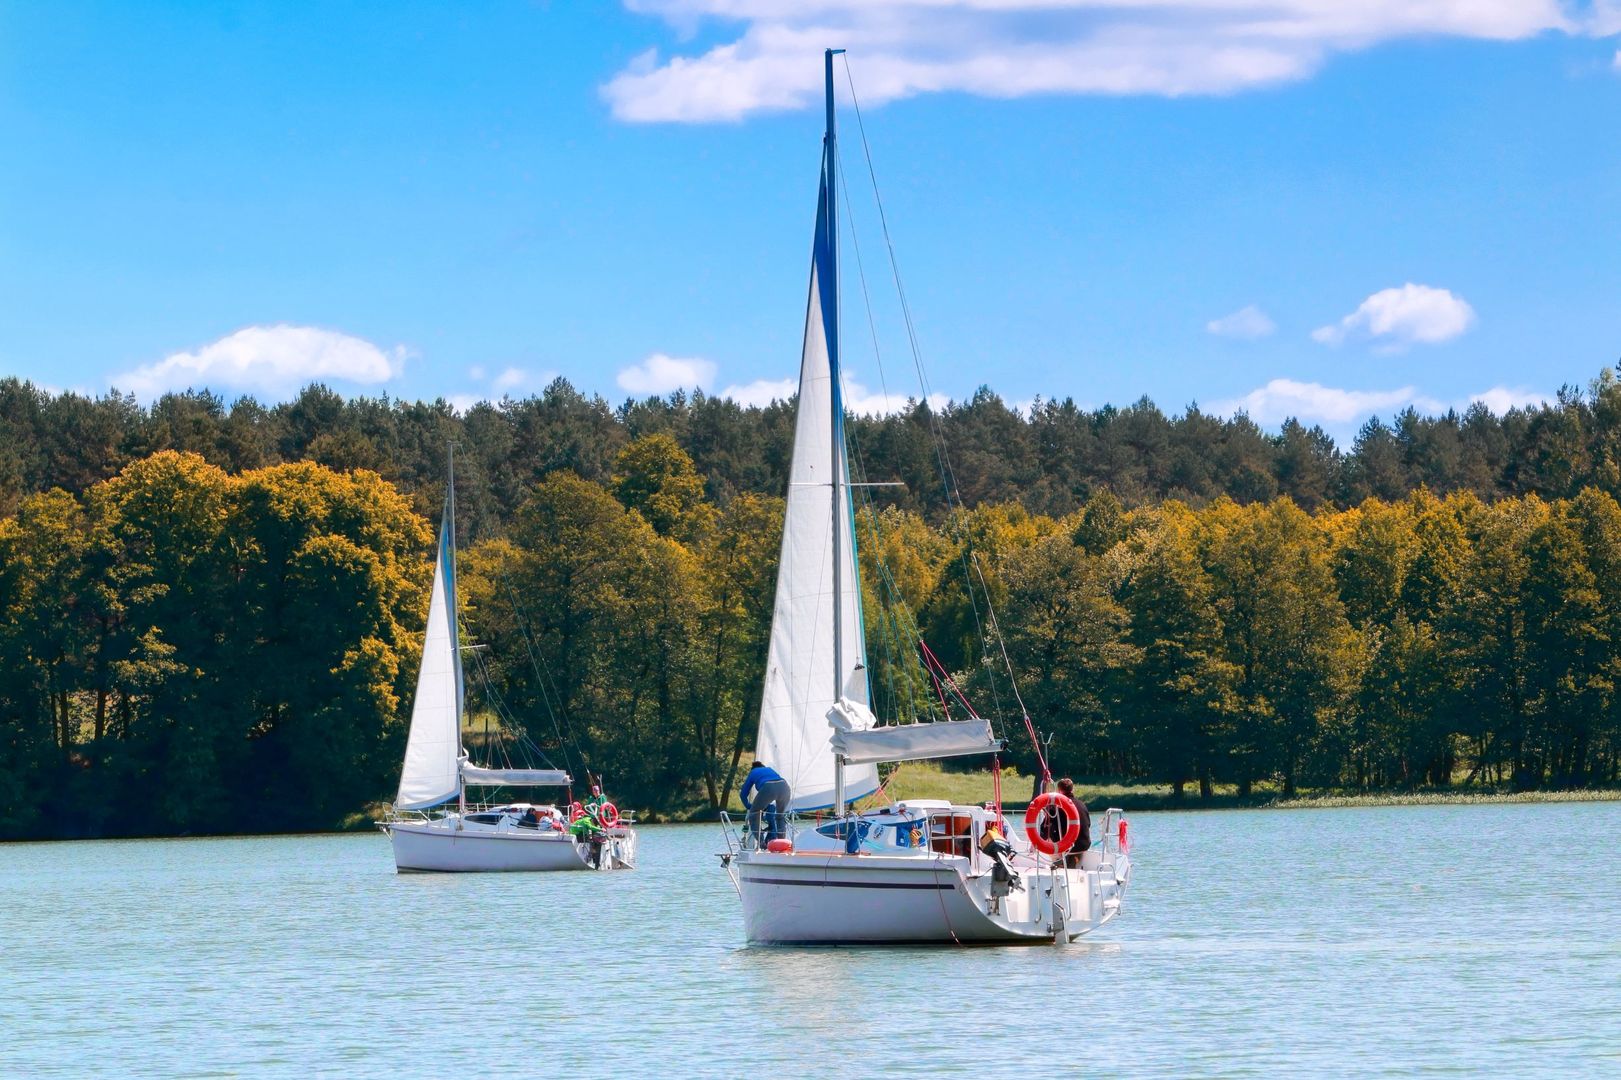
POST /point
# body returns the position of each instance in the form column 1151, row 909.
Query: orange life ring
column 607, row 815
column 1032, row 817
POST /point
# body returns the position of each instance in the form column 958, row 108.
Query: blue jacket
column 757, row 776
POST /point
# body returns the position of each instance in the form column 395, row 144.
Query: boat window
column 485, row 819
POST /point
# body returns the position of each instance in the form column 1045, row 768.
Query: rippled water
column 1413, row 940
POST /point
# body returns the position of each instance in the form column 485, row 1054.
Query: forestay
column 433, row 749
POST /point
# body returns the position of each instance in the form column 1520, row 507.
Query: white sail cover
column 916, row 742
column 801, row 683
column 472, row 774
column 433, row 749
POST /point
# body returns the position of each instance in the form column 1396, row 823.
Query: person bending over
column 768, row 789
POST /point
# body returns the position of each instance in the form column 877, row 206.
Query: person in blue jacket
column 769, row 789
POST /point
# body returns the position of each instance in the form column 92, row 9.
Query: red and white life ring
column 1032, row 822
column 607, row 815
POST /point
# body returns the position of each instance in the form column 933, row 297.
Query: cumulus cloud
column 660, row 374
column 1246, row 324
column 273, row 360
column 1280, row 399
column 1341, row 412
column 1397, row 318
column 769, row 53
column 857, row 398
column 510, row 379
column 762, row 392
column 1500, row 399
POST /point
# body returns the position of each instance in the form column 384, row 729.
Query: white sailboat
column 505, row 836
column 915, row 871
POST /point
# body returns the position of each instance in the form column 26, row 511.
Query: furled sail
column 472, row 774
column 818, row 596
column 917, row 742
column 433, row 750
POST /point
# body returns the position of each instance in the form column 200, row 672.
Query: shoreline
column 1144, row 802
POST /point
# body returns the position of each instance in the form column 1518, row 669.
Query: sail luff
column 804, row 680
column 433, row 747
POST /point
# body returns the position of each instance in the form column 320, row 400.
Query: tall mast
column 449, row 527
column 831, row 320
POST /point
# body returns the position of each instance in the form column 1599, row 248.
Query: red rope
column 930, row 658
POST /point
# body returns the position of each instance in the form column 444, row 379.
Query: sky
column 1321, row 208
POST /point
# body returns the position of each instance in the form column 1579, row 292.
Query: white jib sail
column 433, row 749
column 800, row 684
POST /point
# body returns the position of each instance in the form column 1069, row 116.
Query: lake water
column 1408, row 940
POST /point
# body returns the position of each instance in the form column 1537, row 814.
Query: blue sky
column 1415, row 202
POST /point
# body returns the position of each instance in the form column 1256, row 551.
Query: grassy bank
column 925, row 780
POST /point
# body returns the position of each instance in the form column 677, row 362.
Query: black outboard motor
column 1003, row 877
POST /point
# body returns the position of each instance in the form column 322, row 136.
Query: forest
column 210, row 614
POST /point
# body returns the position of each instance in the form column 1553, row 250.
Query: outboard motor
column 1004, row 879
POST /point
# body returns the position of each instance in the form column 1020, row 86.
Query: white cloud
column 857, row 398
column 1397, row 318
column 1341, row 412
column 1246, row 324
column 273, row 360
column 1615, row 63
column 770, row 55
column 863, row 402
column 464, row 402
column 1312, row 402
column 476, row 372
column 762, row 392
column 660, row 374
column 510, row 379
column 1500, row 399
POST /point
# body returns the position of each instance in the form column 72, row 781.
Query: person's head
column 755, row 765
column 1066, row 786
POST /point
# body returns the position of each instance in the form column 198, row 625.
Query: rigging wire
column 543, row 677
column 894, row 608
column 971, row 565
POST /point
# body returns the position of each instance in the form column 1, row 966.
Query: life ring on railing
column 1032, row 818
column 607, row 815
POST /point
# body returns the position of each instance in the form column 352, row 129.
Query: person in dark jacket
column 768, row 789
column 1054, row 825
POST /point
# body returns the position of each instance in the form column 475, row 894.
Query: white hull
column 823, row 899
column 439, row 846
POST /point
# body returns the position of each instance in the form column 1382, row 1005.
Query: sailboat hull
column 815, row 899
column 436, row 847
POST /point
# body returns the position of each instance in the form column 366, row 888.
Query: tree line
column 184, row 649
column 1050, row 457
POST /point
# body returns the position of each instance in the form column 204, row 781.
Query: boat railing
column 738, row 836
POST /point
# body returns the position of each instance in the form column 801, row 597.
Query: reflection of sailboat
column 917, row 871
column 507, row 836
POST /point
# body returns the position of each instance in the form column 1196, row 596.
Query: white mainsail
column 818, row 592
column 433, row 750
